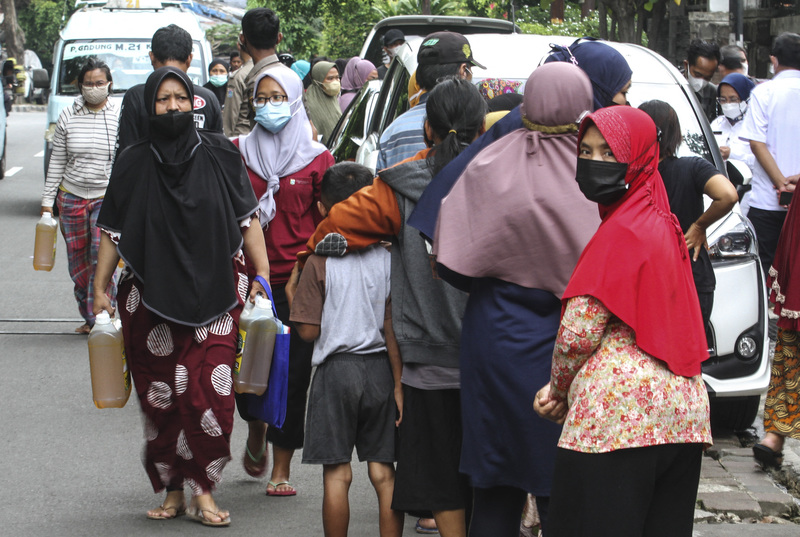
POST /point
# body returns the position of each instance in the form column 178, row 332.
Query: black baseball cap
column 445, row 47
column 392, row 35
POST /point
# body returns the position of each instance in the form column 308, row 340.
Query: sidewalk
column 733, row 488
column 28, row 108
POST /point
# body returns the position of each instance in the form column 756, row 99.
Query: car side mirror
column 40, row 78
column 738, row 172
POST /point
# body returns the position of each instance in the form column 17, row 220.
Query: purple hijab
column 516, row 213
column 272, row 156
column 355, row 75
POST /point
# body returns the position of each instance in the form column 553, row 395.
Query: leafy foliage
column 41, row 20
column 392, row 8
column 223, row 38
column 536, row 20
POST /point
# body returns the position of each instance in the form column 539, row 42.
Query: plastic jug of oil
column 44, row 249
column 257, row 330
column 111, row 379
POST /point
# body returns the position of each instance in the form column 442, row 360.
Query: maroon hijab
column 516, row 213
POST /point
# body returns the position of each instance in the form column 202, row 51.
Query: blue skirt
column 507, row 341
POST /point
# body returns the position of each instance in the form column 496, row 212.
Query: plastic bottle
column 257, row 329
column 111, row 379
column 44, row 250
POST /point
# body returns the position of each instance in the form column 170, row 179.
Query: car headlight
column 733, row 238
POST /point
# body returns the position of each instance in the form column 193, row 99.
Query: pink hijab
column 355, row 75
column 516, row 213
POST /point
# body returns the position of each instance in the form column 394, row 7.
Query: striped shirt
column 404, row 138
column 83, row 152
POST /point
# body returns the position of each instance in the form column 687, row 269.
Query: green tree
column 42, row 20
column 393, row 8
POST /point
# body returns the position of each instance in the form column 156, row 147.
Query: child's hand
column 398, row 399
column 291, row 285
column 548, row 407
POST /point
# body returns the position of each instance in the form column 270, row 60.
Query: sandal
column 83, row 329
column 167, row 513
column 255, row 466
column 767, row 457
column 276, row 492
column 197, row 514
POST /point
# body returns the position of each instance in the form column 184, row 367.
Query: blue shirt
column 404, row 138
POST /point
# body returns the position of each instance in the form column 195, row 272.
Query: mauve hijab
column 355, row 76
column 516, row 213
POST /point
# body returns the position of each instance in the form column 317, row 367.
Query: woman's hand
column 549, row 408
column 726, row 151
column 45, row 209
column 695, row 239
column 102, row 303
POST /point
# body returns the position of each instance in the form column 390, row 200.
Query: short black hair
column 666, row 120
column 731, row 57
column 234, row 54
column 787, row 50
column 343, row 180
column 171, row 43
column 705, row 49
column 91, row 64
column 261, row 27
column 430, row 75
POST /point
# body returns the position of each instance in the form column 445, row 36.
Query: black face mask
column 170, row 125
column 600, row 181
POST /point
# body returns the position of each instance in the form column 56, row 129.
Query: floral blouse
column 620, row 397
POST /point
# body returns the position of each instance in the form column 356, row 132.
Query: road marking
column 39, row 154
column 12, row 171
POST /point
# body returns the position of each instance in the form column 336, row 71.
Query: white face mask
column 745, row 67
column 392, row 51
column 697, row 84
column 733, row 110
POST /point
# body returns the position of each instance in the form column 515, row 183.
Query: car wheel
column 734, row 413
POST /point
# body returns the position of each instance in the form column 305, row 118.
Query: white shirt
column 771, row 118
column 728, row 135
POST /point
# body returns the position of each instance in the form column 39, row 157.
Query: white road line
column 12, row 171
column 39, row 154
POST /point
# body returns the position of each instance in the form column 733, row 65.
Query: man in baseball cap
column 441, row 55
column 392, row 39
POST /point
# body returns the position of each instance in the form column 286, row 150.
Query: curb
column 733, row 487
column 28, row 108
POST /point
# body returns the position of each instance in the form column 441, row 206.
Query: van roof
column 100, row 23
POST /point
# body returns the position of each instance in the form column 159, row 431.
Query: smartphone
column 785, row 198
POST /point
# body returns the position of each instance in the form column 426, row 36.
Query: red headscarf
column 637, row 263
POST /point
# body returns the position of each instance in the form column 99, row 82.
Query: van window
column 129, row 60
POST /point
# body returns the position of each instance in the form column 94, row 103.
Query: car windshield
column 128, row 59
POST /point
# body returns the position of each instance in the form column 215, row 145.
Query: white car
column 738, row 370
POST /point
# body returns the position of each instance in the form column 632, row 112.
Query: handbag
column 271, row 406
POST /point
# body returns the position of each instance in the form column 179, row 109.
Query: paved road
column 70, row 469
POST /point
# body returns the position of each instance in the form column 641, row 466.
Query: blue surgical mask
column 274, row 117
column 218, row 80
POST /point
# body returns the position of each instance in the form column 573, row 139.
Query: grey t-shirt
column 348, row 297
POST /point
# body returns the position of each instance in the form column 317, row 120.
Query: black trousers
column 768, row 226
column 291, row 436
column 638, row 492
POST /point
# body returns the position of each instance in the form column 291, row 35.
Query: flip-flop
column 198, row 515
column 419, row 528
column 767, row 457
column 276, row 492
column 83, row 329
column 255, row 466
column 178, row 511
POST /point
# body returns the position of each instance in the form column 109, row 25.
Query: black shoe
column 767, row 457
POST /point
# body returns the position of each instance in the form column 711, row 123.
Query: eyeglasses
column 274, row 100
column 730, row 100
column 96, row 84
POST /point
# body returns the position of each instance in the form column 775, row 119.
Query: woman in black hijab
column 178, row 211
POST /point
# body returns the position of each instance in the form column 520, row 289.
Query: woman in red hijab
column 625, row 379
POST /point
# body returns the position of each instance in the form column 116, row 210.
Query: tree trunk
column 655, row 34
column 557, row 12
column 586, row 8
column 602, row 13
column 15, row 38
column 425, row 6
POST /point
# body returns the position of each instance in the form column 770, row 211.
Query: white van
column 117, row 32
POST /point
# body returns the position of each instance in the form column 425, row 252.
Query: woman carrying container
column 77, row 177
column 179, row 211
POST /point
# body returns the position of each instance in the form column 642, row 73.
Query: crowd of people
column 512, row 312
